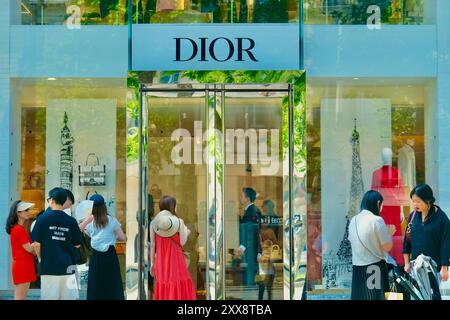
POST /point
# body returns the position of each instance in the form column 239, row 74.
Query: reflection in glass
column 254, row 196
column 359, row 12
column 175, row 167
column 72, row 12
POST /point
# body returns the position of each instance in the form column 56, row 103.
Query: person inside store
column 266, row 272
column 370, row 240
column 104, row 279
column 249, row 231
column 168, row 235
column 23, row 270
column 55, row 235
column 428, row 234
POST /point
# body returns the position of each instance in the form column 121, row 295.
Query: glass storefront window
column 215, row 11
column 358, row 11
column 82, row 12
column 363, row 134
column 63, row 126
column 117, row 12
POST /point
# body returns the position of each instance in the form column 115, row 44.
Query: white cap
column 23, row 206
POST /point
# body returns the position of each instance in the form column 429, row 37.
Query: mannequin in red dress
column 388, row 181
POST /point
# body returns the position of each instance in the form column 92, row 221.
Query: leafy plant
column 296, row 78
column 404, row 121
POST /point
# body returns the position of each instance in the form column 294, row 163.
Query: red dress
column 388, row 181
column 23, row 262
column 172, row 279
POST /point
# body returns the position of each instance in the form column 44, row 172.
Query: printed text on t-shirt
column 58, row 233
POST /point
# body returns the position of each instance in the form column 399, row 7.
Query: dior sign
column 252, row 46
column 235, row 49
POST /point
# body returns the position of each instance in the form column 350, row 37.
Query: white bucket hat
column 166, row 224
column 22, row 206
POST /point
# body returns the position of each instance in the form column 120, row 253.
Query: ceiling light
column 51, row 79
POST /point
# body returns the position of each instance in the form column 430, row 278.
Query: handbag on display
column 92, row 174
column 275, row 253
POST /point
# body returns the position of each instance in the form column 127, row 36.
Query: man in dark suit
column 249, row 227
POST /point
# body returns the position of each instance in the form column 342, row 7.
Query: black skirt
column 104, row 280
column 370, row 282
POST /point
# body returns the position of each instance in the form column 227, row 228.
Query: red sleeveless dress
column 172, row 279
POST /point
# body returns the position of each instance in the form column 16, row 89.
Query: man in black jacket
column 249, row 227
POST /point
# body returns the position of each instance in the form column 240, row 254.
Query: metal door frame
column 214, row 116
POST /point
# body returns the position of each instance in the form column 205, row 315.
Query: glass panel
column 297, row 174
column 358, row 130
column 362, row 11
column 215, row 11
column 254, row 160
column 58, row 124
column 73, row 12
column 176, row 144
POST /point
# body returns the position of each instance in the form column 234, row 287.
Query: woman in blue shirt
column 429, row 234
column 104, row 280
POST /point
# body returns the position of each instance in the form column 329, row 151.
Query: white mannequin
column 386, row 156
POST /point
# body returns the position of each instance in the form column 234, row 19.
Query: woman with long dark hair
column 370, row 240
column 23, row 271
column 428, row 233
column 168, row 234
column 104, row 279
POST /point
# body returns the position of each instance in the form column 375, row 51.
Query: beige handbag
column 275, row 253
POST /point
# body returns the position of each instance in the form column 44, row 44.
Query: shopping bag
column 392, row 294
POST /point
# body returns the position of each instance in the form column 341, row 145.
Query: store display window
column 70, row 133
column 363, row 134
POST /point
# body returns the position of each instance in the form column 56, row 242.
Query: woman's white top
column 373, row 233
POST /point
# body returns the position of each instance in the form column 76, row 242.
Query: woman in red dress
column 23, row 271
column 168, row 234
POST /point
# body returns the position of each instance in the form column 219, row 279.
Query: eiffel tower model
column 66, row 156
column 356, row 193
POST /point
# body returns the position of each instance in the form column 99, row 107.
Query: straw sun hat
column 166, row 224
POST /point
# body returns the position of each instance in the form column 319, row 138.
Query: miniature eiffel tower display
column 66, row 156
column 356, row 193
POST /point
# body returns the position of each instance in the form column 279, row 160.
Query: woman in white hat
column 168, row 234
column 23, row 271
